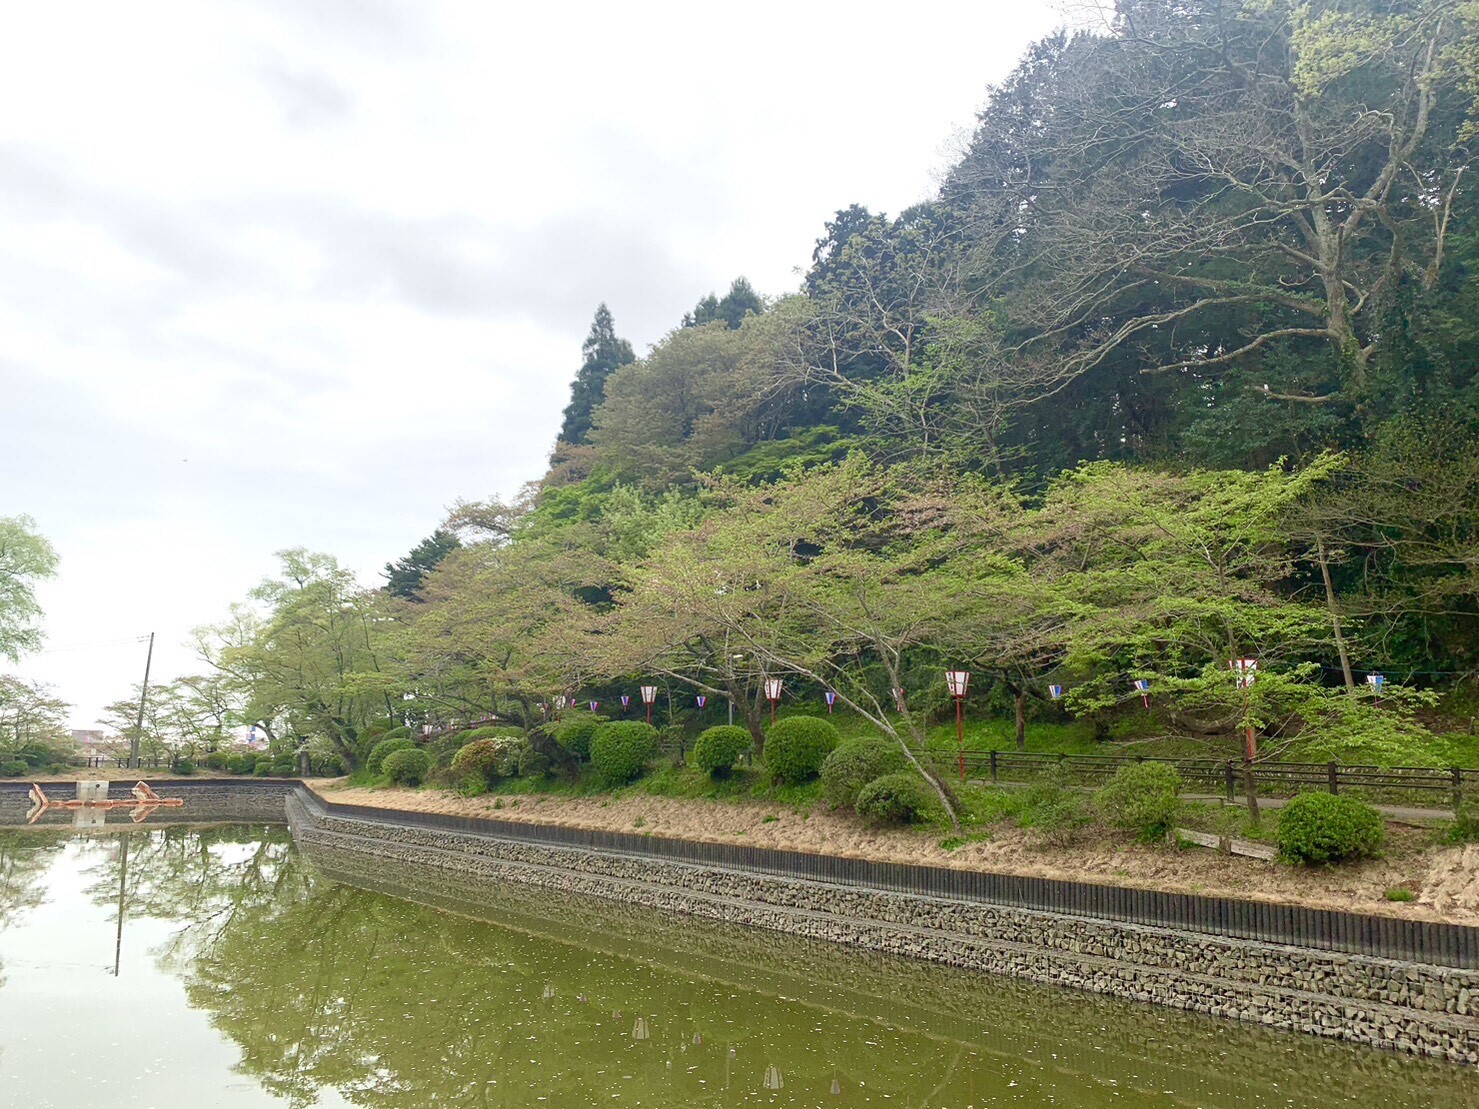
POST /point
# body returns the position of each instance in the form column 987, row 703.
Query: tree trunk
column 1019, row 703
column 1340, row 646
column 1250, row 791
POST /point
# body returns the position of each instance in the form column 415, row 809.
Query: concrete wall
column 1421, row 1009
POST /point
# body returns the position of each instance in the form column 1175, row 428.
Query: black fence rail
column 1432, row 785
column 1351, row 933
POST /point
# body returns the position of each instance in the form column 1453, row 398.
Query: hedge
column 385, row 747
column 856, row 762
column 796, row 747
column 1329, row 828
column 719, row 748
column 899, row 798
column 1143, row 798
column 407, row 766
column 621, row 750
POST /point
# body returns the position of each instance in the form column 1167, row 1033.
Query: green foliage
column 242, row 763
column 25, row 559
column 1329, row 828
column 407, row 767
column 899, row 798
column 856, row 762
column 404, row 577
column 1400, row 894
column 15, row 768
column 494, row 731
column 217, row 760
column 384, row 747
column 1143, row 798
column 327, row 766
column 400, row 731
column 797, row 746
column 1465, row 825
column 575, row 731
column 719, row 748
column 604, row 352
column 621, row 750
column 183, row 766
column 1054, row 809
column 487, row 759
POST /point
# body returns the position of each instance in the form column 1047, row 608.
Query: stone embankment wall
column 207, row 801
column 1416, row 1008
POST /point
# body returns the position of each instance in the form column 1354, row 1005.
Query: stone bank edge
column 1417, row 1008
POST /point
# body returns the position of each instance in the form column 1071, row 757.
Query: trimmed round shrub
column 327, row 766
column 493, row 731
column 1143, row 798
column 1329, row 828
column 263, row 769
column 217, row 760
column 899, row 798
column 487, row 759
column 856, row 762
column 621, row 750
column 575, row 731
column 375, row 762
column 796, row 747
column 400, row 731
column 719, row 748
column 241, row 764
column 284, row 766
column 407, row 767
column 184, row 766
column 14, row 768
column 529, row 762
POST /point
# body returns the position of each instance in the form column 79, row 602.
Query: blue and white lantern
column 1142, row 686
column 1376, row 681
column 595, row 705
column 625, row 701
column 831, row 701
column 1055, row 692
column 702, row 700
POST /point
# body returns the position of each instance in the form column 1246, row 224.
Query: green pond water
column 188, row 966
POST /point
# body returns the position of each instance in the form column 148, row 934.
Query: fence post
column 1229, row 779
column 1334, row 772
column 993, row 765
column 1458, row 787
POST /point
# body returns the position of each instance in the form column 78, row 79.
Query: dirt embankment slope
column 1445, row 879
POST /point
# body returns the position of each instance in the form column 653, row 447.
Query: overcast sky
column 304, row 272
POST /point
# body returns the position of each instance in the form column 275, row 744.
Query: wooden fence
column 1443, row 786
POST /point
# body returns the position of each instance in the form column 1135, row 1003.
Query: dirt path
column 1446, row 880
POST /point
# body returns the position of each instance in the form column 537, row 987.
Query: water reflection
column 324, row 982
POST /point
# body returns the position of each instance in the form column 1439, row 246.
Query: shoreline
column 1447, row 877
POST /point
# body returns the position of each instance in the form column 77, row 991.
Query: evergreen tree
column 603, row 352
column 742, row 300
column 404, row 576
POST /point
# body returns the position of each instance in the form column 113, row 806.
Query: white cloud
column 306, row 271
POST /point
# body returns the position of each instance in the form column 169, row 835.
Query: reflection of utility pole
column 133, row 747
column 122, row 884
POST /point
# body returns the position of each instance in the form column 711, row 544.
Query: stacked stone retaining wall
column 1417, row 1008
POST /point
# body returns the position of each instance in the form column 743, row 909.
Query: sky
column 286, row 273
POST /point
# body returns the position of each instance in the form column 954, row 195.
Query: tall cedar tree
column 404, row 576
column 742, row 300
column 604, row 352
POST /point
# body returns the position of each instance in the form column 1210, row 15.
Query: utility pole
column 133, row 747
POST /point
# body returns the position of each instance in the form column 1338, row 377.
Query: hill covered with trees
column 1176, row 368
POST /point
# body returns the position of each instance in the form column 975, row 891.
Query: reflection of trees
column 397, row 1004
column 24, row 858
column 405, row 987
column 199, row 877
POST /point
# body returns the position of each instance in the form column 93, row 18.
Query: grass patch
column 1400, row 894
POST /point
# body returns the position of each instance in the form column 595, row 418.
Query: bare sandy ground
column 1446, row 880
